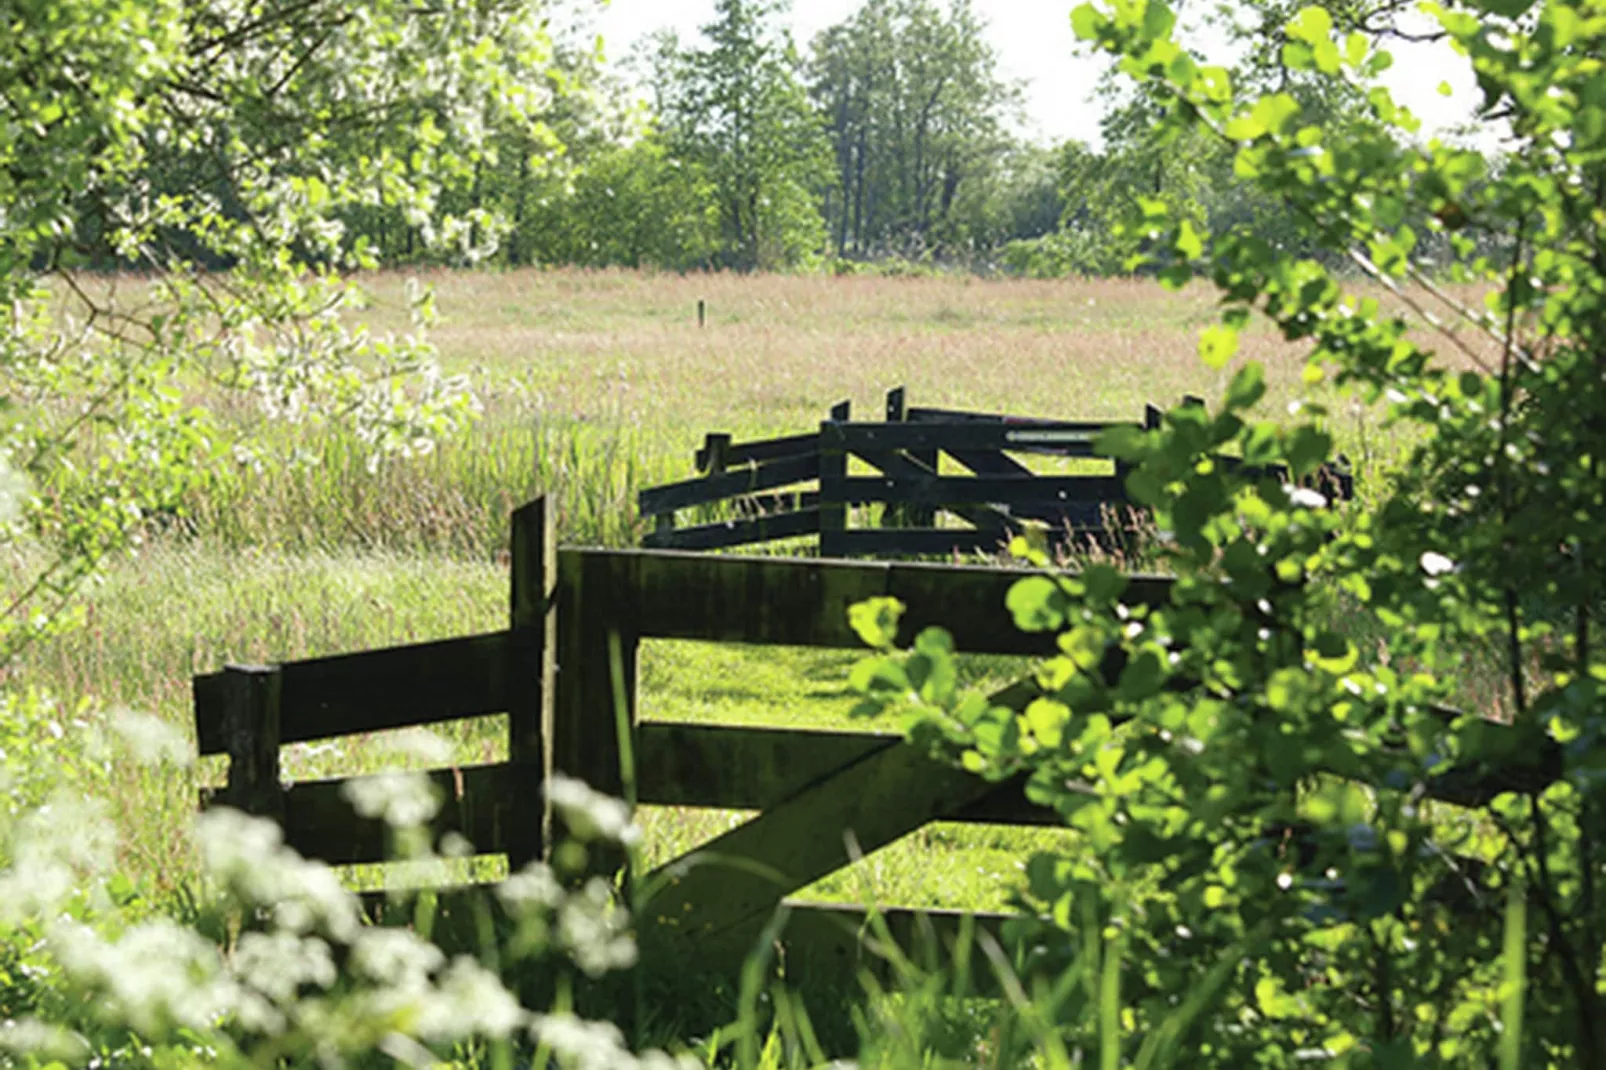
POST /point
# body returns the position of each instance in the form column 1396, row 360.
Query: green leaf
column 1244, row 127
column 1037, row 603
column 1510, row 9
column 875, row 621
column 1248, row 386
column 1142, row 678
column 1514, row 968
column 879, row 676
column 1356, row 46
column 1158, row 20
column 934, row 642
column 1306, row 449
column 1047, row 719
column 1188, row 244
column 1217, row 345
column 1312, row 25
column 1087, row 21
column 1275, row 111
column 1124, row 442
column 1102, row 583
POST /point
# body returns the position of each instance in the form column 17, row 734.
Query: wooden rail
column 574, row 613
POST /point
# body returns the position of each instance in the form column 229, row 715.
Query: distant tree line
column 893, row 139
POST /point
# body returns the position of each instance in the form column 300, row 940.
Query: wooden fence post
column 251, row 734
column 531, row 650
column 917, row 516
column 833, row 503
column 895, row 405
column 716, row 452
column 590, row 732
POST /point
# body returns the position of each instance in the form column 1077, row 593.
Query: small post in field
column 702, row 313
column 251, row 734
column 531, row 652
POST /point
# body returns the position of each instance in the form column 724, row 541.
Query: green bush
column 1294, row 847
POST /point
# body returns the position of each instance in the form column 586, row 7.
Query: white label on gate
column 1048, row 436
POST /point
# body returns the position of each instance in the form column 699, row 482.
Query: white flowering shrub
column 276, row 962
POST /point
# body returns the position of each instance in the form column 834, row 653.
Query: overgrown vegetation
column 1267, row 867
column 1255, row 868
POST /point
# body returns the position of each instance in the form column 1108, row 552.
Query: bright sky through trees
column 1035, row 44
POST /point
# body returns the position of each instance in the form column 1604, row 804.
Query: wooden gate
column 576, row 616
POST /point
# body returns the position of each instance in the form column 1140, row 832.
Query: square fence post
column 593, row 721
column 916, row 516
column 833, row 500
column 251, row 736
column 531, row 652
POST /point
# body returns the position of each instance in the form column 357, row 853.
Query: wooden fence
column 575, row 613
column 759, row 485
column 549, row 671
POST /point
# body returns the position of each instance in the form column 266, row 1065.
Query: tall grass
column 320, row 491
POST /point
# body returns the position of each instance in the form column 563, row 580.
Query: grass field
column 594, row 385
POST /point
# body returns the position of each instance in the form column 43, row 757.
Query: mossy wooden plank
column 833, row 507
column 251, row 734
column 801, row 602
column 755, row 768
column 902, row 469
column 743, row 874
column 990, row 462
column 592, row 603
column 771, row 503
column 1478, row 785
column 946, row 492
column 924, row 542
column 736, row 532
column 737, row 879
column 477, row 803
column 928, row 415
column 422, row 683
column 740, row 768
column 1061, row 439
column 770, row 449
column 732, row 482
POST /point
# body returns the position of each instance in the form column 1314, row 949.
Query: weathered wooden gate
column 577, row 615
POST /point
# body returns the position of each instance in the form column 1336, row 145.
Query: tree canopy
column 235, row 157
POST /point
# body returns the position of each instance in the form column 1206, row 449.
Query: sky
column 1035, row 44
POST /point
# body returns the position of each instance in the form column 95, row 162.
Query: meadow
column 594, row 385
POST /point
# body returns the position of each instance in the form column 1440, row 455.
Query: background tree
column 737, row 110
column 917, row 114
column 223, row 159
